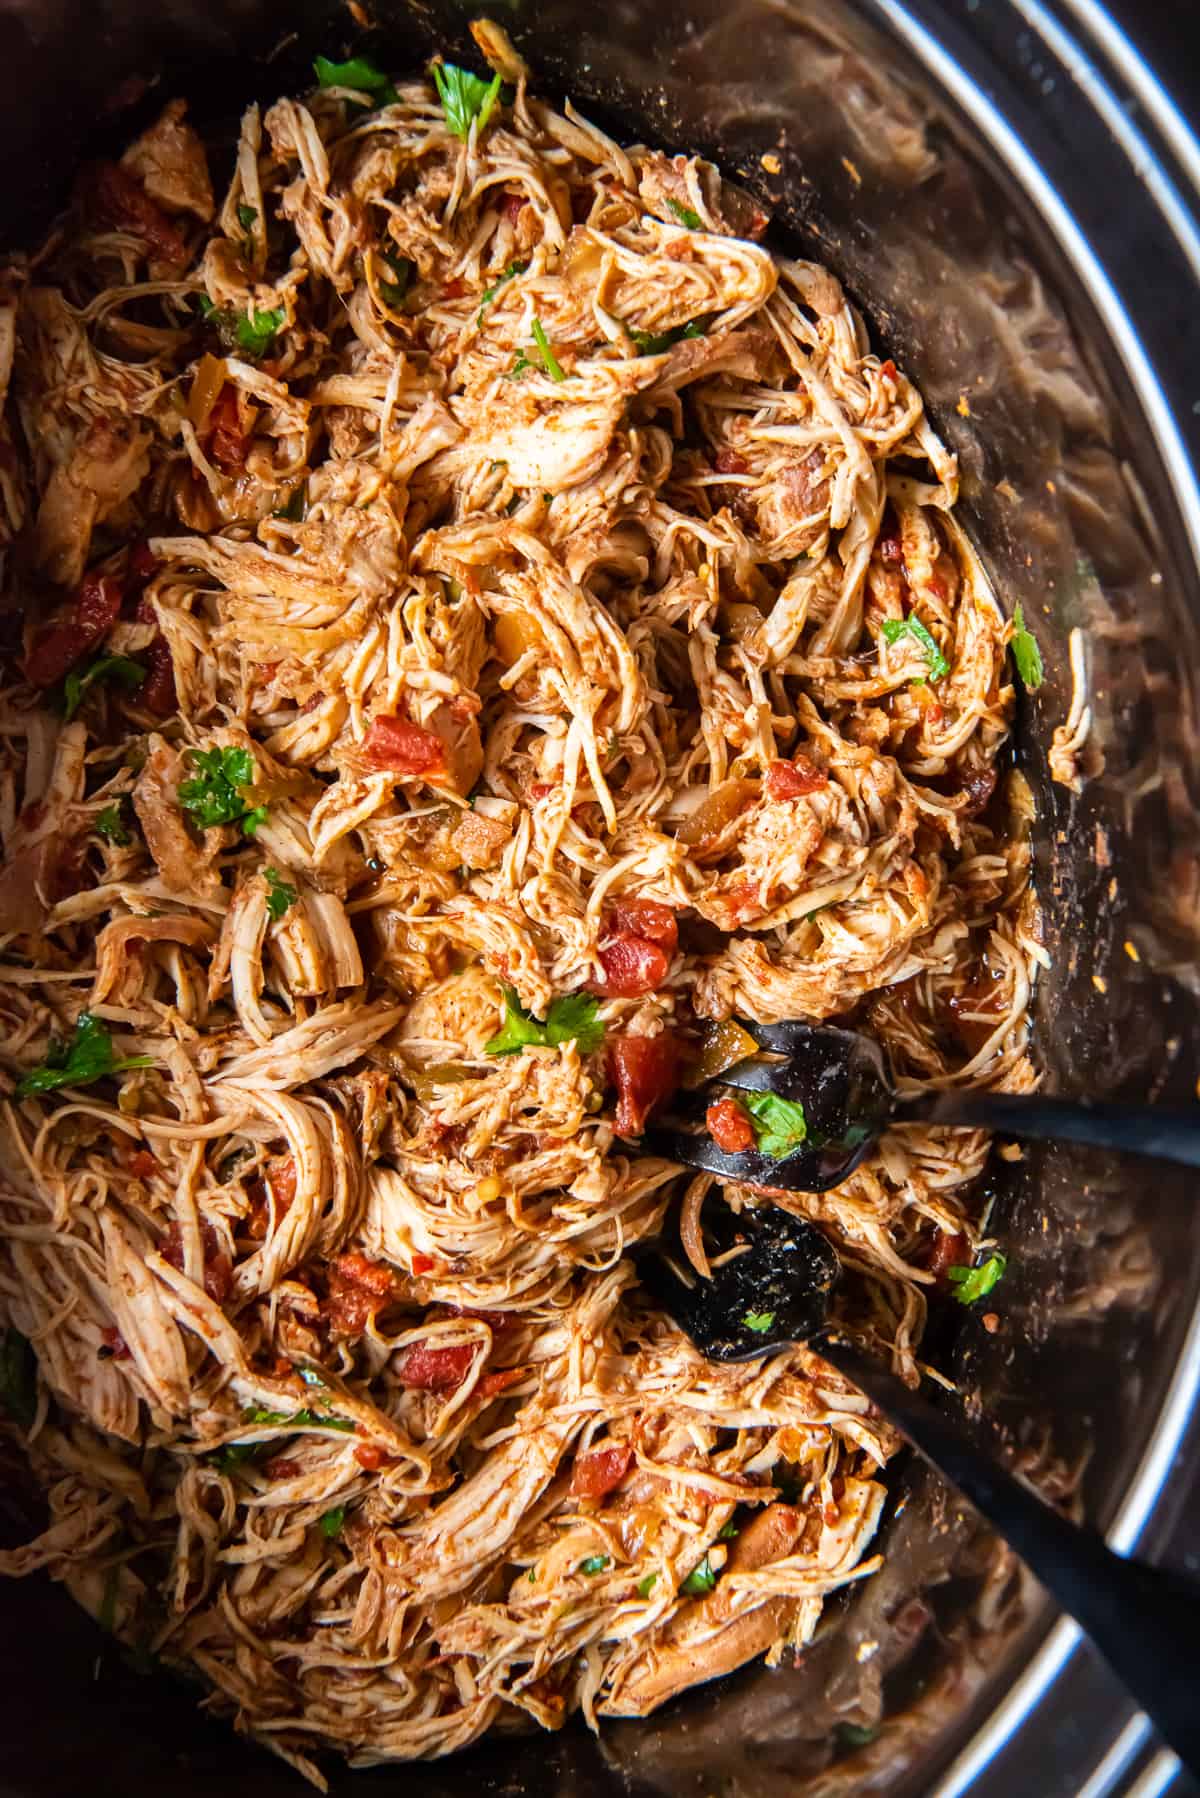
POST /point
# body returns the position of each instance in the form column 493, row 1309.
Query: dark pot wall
column 925, row 210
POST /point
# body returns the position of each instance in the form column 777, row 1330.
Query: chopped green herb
column 521, row 366
column 18, row 1379
column 109, row 826
column 122, row 669
column 594, row 1564
column 895, row 628
column 971, row 1283
column 280, row 896
column 1026, row 654
column 569, row 1019
column 531, row 1576
column 213, row 796
column 253, row 333
column 647, row 1585
column 247, row 217
column 779, row 1124
column 295, row 506
column 656, row 343
column 727, row 1531
column 395, row 292
column 550, row 361
column 686, row 215
column 302, row 1419
column 234, row 1453
column 465, row 97
column 358, row 74
column 332, row 1521
column 856, row 1735
column 759, row 1321
column 700, row 1580
column 87, row 1057
column 489, row 294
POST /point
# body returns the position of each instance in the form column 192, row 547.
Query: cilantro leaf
column 1026, row 654
column 895, row 628
column 332, row 1521
column 780, row 1126
column 521, row 366
column 109, row 825
column 213, row 796
column 465, row 97
column 656, row 343
column 594, row 1564
column 686, row 215
column 700, row 1580
column 550, row 361
column 569, row 1019
column 358, row 73
column 299, row 1420
column 728, row 1531
column 647, row 1585
column 87, row 1057
column 295, row 507
column 247, row 217
column 489, row 294
column 123, row 669
column 759, row 1321
column 253, row 333
column 971, row 1283
column 280, row 896
column 18, row 1379
column 394, row 292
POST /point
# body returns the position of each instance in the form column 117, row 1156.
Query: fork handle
column 1133, row 1129
column 1142, row 1619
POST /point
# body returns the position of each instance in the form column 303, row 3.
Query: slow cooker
column 1013, row 200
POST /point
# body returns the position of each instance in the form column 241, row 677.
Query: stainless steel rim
column 1146, row 1488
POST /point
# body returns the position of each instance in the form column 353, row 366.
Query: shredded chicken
column 516, row 560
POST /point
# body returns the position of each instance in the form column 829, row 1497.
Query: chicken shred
column 515, row 557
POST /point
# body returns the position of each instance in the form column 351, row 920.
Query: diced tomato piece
column 142, row 565
column 227, row 441
column 788, row 780
column 950, row 1249
column 730, row 1126
column 157, row 692
column 890, row 545
column 498, row 1380
column 117, row 198
column 597, row 1474
column 113, row 1339
column 632, row 967
column 142, row 1164
column 218, row 1268
column 280, row 1467
column 729, row 462
column 423, row 1264
column 428, row 1369
column 370, row 1456
column 397, row 745
column 645, row 1072
column 644, row 918
column 90, row 619
column 358, row 1287
column 454, row 289
column 888, row 369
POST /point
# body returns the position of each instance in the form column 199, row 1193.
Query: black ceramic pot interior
column 824, row 113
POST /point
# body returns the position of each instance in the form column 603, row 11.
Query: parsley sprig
column 465, row 97
column 700, row 1580
column 253, row 333
column 971, row 1283
column 358, row 73
column 122, row 669
column 111, row 826
column 656, row 343
column 569, row 1019
column 88, row 1056
column 215, row 795
column 759, row 1321
column 280, row 896
column 779, row 1126
column 895, row 628
column 1026, row 654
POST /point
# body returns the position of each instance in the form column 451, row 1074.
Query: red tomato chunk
column 730, row 1127
column 601, row 1472
column 87, row 623
column 631, row 966
column 395, row 745
column 645, row 1072
column 789, row 780
column 436, row 1369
